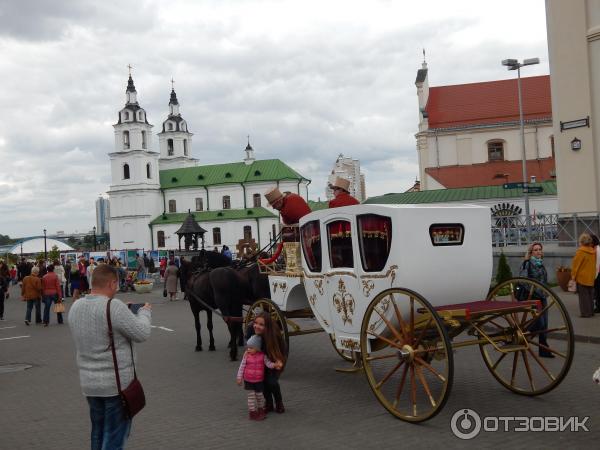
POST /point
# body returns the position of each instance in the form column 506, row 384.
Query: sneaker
column 546, row 354
column 27, row 322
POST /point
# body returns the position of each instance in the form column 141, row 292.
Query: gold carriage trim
column 350, row 344
column 281, row 285
column 391, row 271
column 308, row 275
column 368, row 286
column 319, row 286
column 333, row 274
column 344, row 303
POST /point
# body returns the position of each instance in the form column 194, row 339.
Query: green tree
column 54, row 253
column 503, row 273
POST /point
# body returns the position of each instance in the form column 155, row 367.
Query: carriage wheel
column 346, row 355
column 523, row 370
column 265, row 304
column 406, row 355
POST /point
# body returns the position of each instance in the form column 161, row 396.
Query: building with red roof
column 469, row 133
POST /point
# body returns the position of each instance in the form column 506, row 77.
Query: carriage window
column 311, row 245
column 375, row 239
column 340, row 244
column 446, row 234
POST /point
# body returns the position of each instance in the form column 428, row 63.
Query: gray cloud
column 326, row 86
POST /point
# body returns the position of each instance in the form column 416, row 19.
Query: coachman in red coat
column 341, row 195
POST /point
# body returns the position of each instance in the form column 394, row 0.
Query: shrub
column 504, row 273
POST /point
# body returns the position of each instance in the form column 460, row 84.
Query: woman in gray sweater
column 88, row 324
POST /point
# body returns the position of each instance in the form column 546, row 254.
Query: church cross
column 172, row 83
column 129, row 67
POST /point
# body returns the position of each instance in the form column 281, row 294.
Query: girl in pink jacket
column 252, row 372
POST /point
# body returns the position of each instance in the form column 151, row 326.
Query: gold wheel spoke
column 412, row 318
column 398, row 336
column 502, row 356
column 548, row 306
column 384, row 339
column 545, row 347
column 514, row 368
column 418, row 341
column 425, row 385
column 374, row 358
column 400, row 386
column 399, row 317
column 413, row 390
column 526, row 361
column 547, row 330
column 532, row 353
column 430, row 368
column 389, row 374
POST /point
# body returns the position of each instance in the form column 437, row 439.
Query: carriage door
column 341, row 279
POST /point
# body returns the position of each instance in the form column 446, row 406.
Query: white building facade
column 152, row 192
column 349, row 169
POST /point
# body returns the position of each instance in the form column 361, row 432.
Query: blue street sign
column 513, row 185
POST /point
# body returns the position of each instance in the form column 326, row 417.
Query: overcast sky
column 306, row 80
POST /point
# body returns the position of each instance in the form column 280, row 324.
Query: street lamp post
column 45, row 249
column 514, row 64
column 94, row 238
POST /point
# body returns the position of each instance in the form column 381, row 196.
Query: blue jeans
column 38, row 310
column 48, row 300
column 110, row 425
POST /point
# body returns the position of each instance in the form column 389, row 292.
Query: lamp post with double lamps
column 45, row 248
column 514, row 64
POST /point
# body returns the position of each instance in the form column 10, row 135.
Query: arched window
column 339, row 234
column 143, row 139
column 126, row 171
column 148, row 171
column 216, row 236
column 170, row 147
column 125, row 139
column 172, row 206
column 140, row 116
column 170, row 126
column 126, row 115
column 495, row 150
column 247, row 232
column 160, row 238
column 185, row 147
column 199, row 204
column 226, row 202
column 256, row 200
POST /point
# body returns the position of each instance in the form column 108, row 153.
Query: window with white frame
column 495, row 150
column 199, row 204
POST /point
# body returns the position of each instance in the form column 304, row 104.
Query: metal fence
column 562, row 229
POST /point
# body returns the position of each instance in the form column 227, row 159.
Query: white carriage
column 388, row 283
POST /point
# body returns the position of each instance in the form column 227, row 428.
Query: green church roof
column 260, row 170
column 211, row 216
column 460, row 194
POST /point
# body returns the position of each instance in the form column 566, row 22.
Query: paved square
column 194, row 402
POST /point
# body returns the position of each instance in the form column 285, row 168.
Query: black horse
column 195, row 271
column 228, row 289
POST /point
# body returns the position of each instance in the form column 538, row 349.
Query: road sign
column 533, row 189
column 513, row 185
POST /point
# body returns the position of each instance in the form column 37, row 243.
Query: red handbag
column 132, row 396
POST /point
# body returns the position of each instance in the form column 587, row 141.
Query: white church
column 152, row 192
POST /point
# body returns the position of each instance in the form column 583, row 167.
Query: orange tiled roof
column 484, row 174
column 488, row 102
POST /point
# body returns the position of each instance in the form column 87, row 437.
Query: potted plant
column 563, row 275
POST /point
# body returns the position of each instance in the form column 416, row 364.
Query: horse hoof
column 198, row 349
column 212, row 348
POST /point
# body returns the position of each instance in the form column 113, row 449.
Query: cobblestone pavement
column 193, row 401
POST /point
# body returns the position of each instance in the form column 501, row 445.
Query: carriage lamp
column 575, row 144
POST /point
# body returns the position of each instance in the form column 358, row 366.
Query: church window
column 170, row 147
column 199, row 204
column 144, row 139
column 495, row 150
column 256, row 200
column 148, row 171
column 216, row 236
column 226, row 202
column 126, row 115
column 160, row 237
column 172, row 206
column 125, row 139
column 126, row 171
column 247, row 232
column 140, row 116
column 170, row 126
column 185, row 151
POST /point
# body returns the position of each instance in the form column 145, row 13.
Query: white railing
column 563, row 228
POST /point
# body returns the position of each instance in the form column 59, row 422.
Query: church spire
column 249, row 159
column 130, row 92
